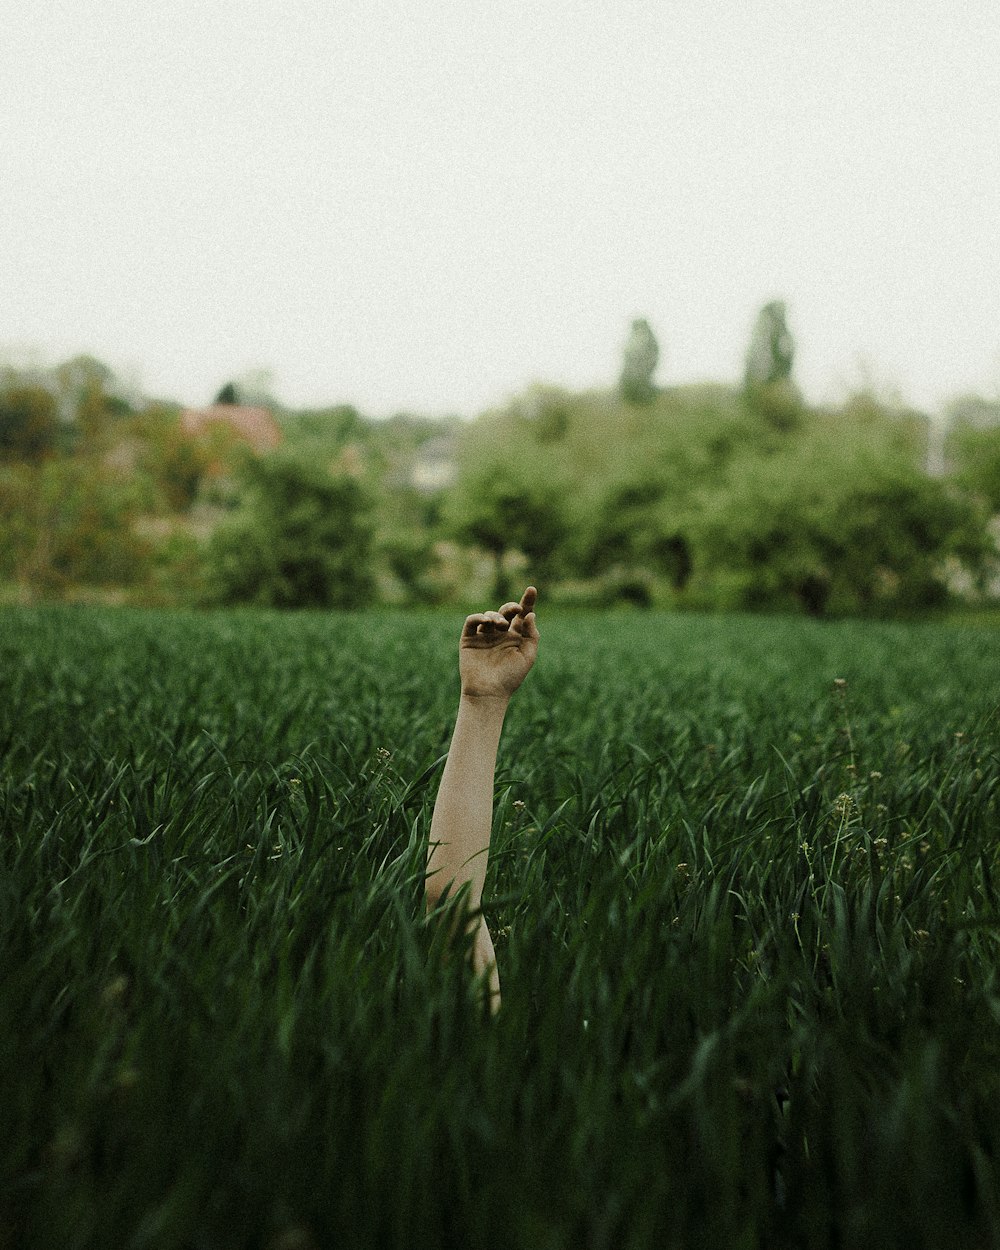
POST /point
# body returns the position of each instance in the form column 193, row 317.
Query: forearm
column 463, row 813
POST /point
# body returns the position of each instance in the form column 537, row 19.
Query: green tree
column 29, row 422
column 174, row 461
column 974, row 452
column 302, row 539
column 504, row 506
column 412, row 561
column 68, row 522
column 772, row 349
column 768, row 385
column 806, row 532
column 639, row 361
column 93, row 401
column 227, row 395
column 637, row 534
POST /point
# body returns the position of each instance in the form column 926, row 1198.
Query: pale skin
column 496, row 651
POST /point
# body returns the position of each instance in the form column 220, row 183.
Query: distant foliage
column 768, row 388
column 707, row 496
column 509, row 498
column 301, row 539
column 702, row 499
column 632, row 533
column 93, row 400
column 975, row 455
column 175, row 462
column 772, row 350
column 228, row 394
column 29, row 422
column 413, row 562
column 639, row 361
column 871, row 541
column 66, row 523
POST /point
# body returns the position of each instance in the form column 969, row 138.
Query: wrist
column 483, row 701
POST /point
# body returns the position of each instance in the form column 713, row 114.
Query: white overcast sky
column 427, row 205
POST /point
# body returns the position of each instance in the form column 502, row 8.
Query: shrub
column 69, row 521
column 300, row 539
column 29, row 422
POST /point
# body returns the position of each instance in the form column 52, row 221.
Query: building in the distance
column 254, row 426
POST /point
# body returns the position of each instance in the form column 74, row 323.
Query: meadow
column 744, row 890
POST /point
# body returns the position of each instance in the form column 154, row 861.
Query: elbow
column 440, row 888
column 435, row 889
column 432, row 896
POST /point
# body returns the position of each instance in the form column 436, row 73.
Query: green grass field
column 747, row 922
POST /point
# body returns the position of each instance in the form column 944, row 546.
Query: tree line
column 713, row 496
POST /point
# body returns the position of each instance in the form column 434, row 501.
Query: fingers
column 484, row 623
column 518, row 618
column 523, row 623
column 512, row 609
column 524, row 627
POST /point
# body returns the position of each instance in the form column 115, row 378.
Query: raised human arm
column 495, row 653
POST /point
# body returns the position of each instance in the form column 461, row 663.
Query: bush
column 504, row 504
column 639, row 361
column 29, row 423
column 301, row 539
column 874, row 538
column 976, row 456
column 69, row 521
column 174, row 461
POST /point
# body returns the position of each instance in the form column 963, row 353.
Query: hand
column 498, row 648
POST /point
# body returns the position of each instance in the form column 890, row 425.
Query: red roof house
column 254, row 426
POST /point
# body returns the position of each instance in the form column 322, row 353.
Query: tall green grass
column 744, row 895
